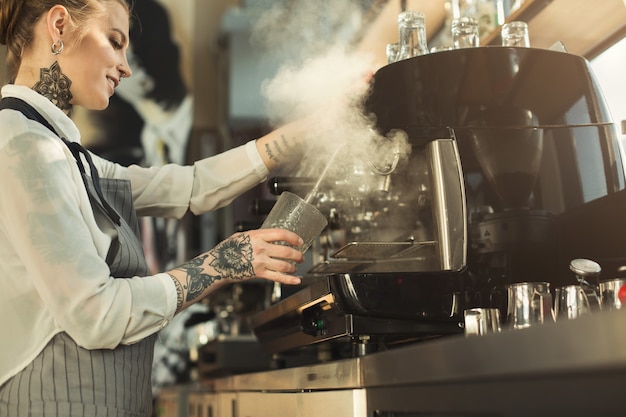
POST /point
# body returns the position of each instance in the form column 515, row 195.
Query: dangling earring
column 57, row 47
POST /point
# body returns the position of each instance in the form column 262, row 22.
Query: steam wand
column 316, row 187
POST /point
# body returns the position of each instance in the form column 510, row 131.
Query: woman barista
column 79, row 311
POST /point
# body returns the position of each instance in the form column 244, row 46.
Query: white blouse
column 53, row 274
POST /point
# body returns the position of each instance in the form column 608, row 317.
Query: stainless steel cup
column 480, row 321
column 528, row 304
column 571, row 302
column 609, row 293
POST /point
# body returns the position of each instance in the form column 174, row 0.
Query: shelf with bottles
column 524, row 13
column 501, row 12
column 585, row 28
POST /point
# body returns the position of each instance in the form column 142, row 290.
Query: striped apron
column 66, row 380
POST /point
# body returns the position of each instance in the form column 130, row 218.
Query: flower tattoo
column 55, row 86
column 233, row 258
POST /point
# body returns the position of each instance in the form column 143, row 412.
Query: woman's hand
column 253, row 254
column 242, row 256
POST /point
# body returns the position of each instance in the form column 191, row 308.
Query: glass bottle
column 392, row 52
column 465, row 33
column 412, row 28
column 515, row 34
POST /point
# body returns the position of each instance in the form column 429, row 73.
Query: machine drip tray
column 379, row 257
column 380, row 250
column 348, row 307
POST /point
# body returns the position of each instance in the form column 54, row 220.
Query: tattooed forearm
column 271, row 154
column 285, row 143
column 179, row 292
column 196, row 281
column 231, row 259
column 280, row 150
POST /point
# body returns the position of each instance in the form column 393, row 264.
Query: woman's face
column 98, row 62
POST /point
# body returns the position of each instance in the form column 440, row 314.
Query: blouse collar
column 55, row 116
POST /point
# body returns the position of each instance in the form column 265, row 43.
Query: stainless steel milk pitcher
column 571, row 302
column 528, row 304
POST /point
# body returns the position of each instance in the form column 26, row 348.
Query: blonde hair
column 18, row 17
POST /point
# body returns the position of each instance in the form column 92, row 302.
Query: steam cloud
column 325, row 79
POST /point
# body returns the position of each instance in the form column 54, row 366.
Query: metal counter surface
column 342, row 374
column 592, row 344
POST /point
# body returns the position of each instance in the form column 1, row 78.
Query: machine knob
column 314, row 326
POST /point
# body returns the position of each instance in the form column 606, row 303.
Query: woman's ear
column 57, row 21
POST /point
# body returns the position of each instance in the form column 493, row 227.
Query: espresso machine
column 514, row 169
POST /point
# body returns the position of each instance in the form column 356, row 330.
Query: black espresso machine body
column 539, row 182
column 540, row 157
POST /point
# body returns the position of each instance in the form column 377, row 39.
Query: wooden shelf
column 525, row 13
column 585, row 27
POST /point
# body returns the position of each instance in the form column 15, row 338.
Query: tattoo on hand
column 55, row 86
column 231, row 259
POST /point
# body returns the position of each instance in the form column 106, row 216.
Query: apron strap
column 76, row 149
